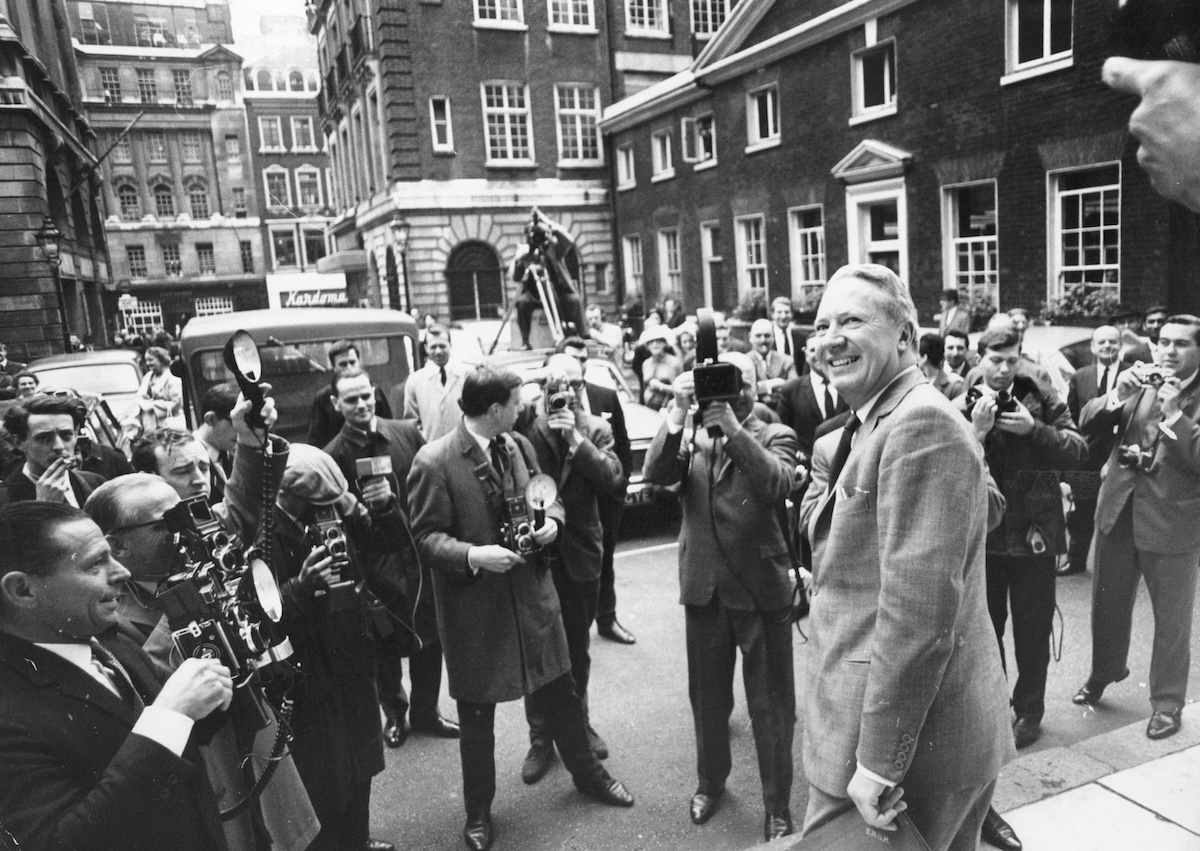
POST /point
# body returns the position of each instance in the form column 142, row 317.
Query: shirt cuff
column 871, row 775
column 169, row 728
column 1166, row 425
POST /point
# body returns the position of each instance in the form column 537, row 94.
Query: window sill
column 272, row 150
column 510, row 26
column 580, row 163
column 665, row 174
column 445, row 152
column 625, row 187
column 510, row 164
column 566, row 29
column 879, row 112
column 655, row 34
column 705, row 164
column 306, row 149
column 1037, row 70
column 763, row 145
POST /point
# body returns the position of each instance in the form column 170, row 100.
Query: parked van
column 294, row 346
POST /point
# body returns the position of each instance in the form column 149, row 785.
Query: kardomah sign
column 307, row 289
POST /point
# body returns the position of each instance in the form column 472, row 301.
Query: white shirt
column 165, row 726
column 782, row 339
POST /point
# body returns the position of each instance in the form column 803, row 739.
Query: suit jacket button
column 899, row 763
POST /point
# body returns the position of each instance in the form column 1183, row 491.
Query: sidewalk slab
column 1128, row 746
column 1166, row 786
column 1034, row 776
column 1097, row 819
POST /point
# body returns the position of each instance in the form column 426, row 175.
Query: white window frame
column 976, row 248
column 712, row 9
column 274, row 229
column 631, row 252
column 691, row 132
column 558, row 10
column 263, row 147
column 213, row 305
column 578, row 116
column 709, row 258
column 501, row 14
column 143, row 317
column 647, row 19
column 662, row 163
column 110, row 84
column 183, row 146
column 300, row 121
column 752, row 269
column 267, row 194
column 166, row 151
column 1057, row 268
column 448, row 145
column 807, row 248
column 863, row 196
column 177, row 262
column 626, row 168
column 670, row 270
column 143, row 269
column 756, row 139
column 200, row 262
column 860, row 111
column 510, row 115
column 315, row 172
column 1047, row 62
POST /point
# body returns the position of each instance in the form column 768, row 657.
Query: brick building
column 182, row 196
column 966, row 145
column 447, row 122
column 47, row 175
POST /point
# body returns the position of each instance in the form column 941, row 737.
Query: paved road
column 639, row 704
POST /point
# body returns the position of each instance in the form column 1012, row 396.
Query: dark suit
column 400, row 440
column 605, row 403
column 800, row 411
column 18, row 488
column 1146, row 526
column 73, row 778
column 325, row 420
column 1085, row 485
column 736, row 590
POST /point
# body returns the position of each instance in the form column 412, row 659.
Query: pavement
column 1112, row 792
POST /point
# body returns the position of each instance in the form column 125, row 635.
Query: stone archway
column 475, row 281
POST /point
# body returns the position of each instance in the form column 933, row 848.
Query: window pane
column 885, row 221
column 1030, row 27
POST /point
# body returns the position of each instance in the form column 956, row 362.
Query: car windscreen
column 103, row 378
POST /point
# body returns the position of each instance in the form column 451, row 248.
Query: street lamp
column 400, row 228
column 48, row 238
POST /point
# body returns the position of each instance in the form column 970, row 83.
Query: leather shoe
column 996, row 831
column 1089, row 693
column 606, row 790
column 442, row 728
column 537, row 762
column 394, row 732
column 1026, row 731
column 615, row 632
column 777, row 825
column 378, row 845
column 479, row 832
column 1069, row 569
column 704, row 806
column 597, row 744
column 1164, row 724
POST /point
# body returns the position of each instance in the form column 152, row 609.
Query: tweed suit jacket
column 502, row 633
column 901, row 638
column 730, row 520
column 1166, row 498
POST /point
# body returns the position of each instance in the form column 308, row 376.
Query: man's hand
column 196, row 689
column 1129, row 382
column 562, row 423
column 52, row 485
column 376, row 492
column 317, row 571
column 1168, row 396
column 1019, row 422
column 246, row 435
column 493, row 558
column 684, row 388
column 721, row 415
column 983, row 415
column 877, row 808
column 1166, row 122
column 546, row 533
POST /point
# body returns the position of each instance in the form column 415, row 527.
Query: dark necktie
column 443, row 371
column 843, row 451
column 830, row 409
column 499, row 461
column 119, row 676
column 1102, row 383
column 787, row 343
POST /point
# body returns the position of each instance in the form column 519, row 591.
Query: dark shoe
column 1026, row 731
column 597, row 744
column 537, row 762
column 394, row 733
column 479, row 832
column 615, row 632
column 996, row 831
column 777, row 825
column 1164, row 724
column 378, row 845
column 1069, row 569
column 1089, row 693
column 442, row 728
column 606, row 790
column 704, row 806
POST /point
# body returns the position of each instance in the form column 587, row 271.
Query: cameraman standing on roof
column 544, row 252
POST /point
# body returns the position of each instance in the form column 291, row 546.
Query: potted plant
column 1080, row 305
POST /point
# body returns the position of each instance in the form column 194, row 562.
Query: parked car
column 115, row 374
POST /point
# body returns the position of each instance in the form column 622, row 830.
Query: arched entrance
column 475, row 281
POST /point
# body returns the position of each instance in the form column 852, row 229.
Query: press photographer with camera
column 478, row 529
column 1028, row 438
column 578, row 451
column 734, row 577
column 1146, row 520
column 543, row 256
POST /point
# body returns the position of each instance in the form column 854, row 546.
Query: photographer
column 735, row 584
column 1146, row 521
column 1028, row 438
column 329, row 592
column 544, row 252
column 579, row 452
